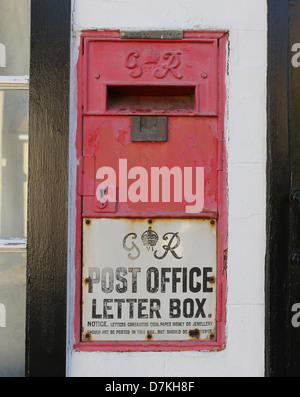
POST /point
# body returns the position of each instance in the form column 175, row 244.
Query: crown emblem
column 150, row 55
column 150, row 238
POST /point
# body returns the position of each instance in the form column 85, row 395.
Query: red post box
column 151, row 204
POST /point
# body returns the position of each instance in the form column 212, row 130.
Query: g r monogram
column 134, row 61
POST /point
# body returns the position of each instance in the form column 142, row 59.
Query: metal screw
column 102, row 204
column 204, row 75
column 97, row 76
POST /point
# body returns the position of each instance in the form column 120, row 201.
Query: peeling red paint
column 192, row 142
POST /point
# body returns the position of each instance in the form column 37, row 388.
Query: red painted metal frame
column 221, row 39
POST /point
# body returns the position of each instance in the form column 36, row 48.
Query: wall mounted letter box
column 151, row 205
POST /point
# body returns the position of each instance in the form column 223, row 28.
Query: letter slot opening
column 129, row 99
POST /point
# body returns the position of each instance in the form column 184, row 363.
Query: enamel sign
column 149, row 280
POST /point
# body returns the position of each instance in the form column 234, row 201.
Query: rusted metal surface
column 194, row 334
column 151, row 280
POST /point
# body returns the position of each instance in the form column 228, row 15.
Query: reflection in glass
column 12, row 314
column 13, row 162
column 14, row 37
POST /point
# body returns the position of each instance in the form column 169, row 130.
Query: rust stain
column 133, row 222
column 194, row 334
column 87, row 337
column 149, row 337
column 212, row 280
column 212, row 337
column 150, row 221
column 87, row 281
column 212, row 224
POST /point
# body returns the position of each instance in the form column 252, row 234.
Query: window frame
column 47, row 240
column 14, row 83
column 13, row 245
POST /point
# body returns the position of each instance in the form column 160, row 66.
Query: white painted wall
column 246, row 22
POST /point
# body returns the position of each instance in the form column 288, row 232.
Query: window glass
column 14, row 162
column 14, row 108
column 12, row 314
column 14, row 37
